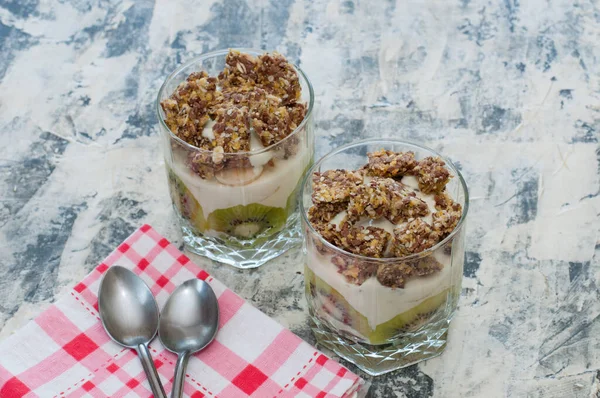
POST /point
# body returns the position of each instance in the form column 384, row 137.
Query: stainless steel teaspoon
column 129, row 315
column 189, row 322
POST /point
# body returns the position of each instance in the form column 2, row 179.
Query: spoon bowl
column 129, row 314
column 189, row 322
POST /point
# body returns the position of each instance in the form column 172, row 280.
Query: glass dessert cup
column 380, row 328
column 244, row 213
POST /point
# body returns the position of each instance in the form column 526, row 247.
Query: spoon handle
column 182, row 361
column 150, row 370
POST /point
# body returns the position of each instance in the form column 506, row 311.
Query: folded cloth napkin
column 66, row 352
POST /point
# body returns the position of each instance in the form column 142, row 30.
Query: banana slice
column 238, row 176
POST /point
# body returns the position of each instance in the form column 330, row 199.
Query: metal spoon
column 189, row 322
column 129, row 315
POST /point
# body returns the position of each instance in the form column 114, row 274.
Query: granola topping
column 444, row 221
column 372, row 213
column 414, row 237
column 324, row 212
column 432, row 174
column 373, row 199
column 395, row 275
column 252, row 95
column 384, row 163
column 334, row 185
column 354, row 272
column 369, row 241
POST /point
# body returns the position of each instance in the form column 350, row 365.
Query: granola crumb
column 444, row 221
column 323, row 212
column 394, row 275
column 426, row 266
column 385, row 163
column 329, row 232
column 414, row 237
column 443, row 201
column 202, row 164
column 432, row 174
column 217, row 154
column 278, row 77
column 272, row 125
column 372, row 200
column 231, row 130
column 187, row 110
column 239, row 72
column 334, row 185
column 366, row 241
column 406, row 206
column 355, row 271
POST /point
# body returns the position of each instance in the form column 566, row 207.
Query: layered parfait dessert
column 238, row 145
column 376, row 270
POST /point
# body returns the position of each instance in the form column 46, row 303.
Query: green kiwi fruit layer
column 185, row 202
column 247, row 222
column 334, row 304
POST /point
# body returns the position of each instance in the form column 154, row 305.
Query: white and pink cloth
column 65, row 352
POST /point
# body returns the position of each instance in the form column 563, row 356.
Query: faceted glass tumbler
column 245, row 213
column 378, row 328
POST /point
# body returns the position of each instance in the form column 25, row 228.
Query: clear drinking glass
column 245, row 213
column 379, row 328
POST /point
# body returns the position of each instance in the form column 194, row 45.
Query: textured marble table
column 508, row 89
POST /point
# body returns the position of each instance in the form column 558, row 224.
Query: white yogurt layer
column 379, row 303
column 272, row 188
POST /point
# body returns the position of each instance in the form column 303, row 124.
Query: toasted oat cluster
column 351, row 208
column 384, row 163
column 272, row 124
column 447, row 215
column 325, row 212
column 240, row 72
column 444, row 221
column 279, row 77
column 354, row 271
column 334, row 185
column 408, row 207
column 231, row 130
column 396, row 274
column 258, row 94
column 414, row 237
column 366, row 241
column 187, row 110
column 373, row 199
column 432, row 174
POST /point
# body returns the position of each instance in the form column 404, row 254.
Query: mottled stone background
column 508, row 89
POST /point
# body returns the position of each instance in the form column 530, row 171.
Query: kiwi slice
column 185, row 202
column 331, row 302
column 409, row 320
column 247, row 222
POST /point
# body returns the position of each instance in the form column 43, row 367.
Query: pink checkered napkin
column 65, row 351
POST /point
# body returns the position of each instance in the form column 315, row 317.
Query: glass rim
column 212, row 54
column 385, row 260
